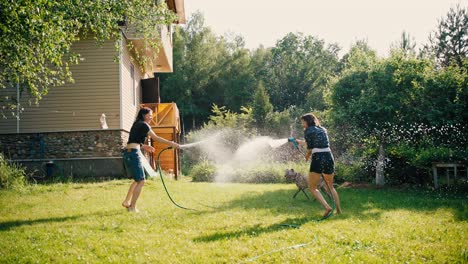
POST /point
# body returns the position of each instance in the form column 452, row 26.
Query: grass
column 71, row 223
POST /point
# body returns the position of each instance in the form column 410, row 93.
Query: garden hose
column 283, row 249
column 165, row 188
column 186, row 208
column 164, row 184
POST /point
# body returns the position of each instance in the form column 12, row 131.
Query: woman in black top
column 316, row 139
column 132, row 157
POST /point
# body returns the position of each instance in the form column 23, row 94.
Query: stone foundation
column 96, row 153
column 75, row 169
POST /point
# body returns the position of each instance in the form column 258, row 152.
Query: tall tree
column 196, row 61
column 406, row 45
column 261, row 62
column 302, row 65
column 449, row 43
column 36, row 38
column 361, row 57
column 236, row 78
column 261, row 104
column 207, row 69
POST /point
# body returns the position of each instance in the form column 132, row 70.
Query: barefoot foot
column 132, row 210
column 328, row 212
column 126, row 204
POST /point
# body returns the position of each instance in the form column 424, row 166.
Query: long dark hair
column 141, row 114
column 310, row 119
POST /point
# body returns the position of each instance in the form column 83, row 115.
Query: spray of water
column 229, row 157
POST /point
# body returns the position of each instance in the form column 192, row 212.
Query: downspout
column 120, row 81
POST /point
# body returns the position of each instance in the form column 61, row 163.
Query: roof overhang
column 160, row 59
column 177, row 6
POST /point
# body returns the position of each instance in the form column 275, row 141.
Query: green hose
column 164, row 184
column 186, row 208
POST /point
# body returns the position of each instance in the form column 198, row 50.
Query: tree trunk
column 379, row 169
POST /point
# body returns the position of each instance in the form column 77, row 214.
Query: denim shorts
column 133, row 167
column 322, row 162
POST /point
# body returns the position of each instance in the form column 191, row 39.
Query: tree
column 261, row 104
column 374, row 101
column 196, row 65
column 449, row 43
column 302, row 66
column 360, row 57
column 236, row 77
column 444, row 100
column 355, row 66
column 207, row 70
column 36, row 38
column 406, row 45
column 261, row 62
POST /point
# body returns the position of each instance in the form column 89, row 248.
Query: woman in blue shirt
column 322, row 163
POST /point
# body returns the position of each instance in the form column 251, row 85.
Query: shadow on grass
column 279, row 201
column 356, row 203
column 256, row 230
column 7, row 225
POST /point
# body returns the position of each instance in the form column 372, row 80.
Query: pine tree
column 449, row 43
column 261, row 104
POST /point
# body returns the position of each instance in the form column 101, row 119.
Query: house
column 79, row 129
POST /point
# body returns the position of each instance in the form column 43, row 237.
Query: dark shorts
column 133, row 167
column 322, row 162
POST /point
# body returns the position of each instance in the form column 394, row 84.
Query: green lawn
column 66, row 223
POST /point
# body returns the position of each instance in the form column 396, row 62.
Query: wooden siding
column 129, row 106
column 79, row 105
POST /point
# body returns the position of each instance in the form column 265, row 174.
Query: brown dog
column 302, row 182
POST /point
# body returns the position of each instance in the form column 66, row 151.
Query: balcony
column 162, row 62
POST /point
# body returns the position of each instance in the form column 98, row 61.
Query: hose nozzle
column 293, row 140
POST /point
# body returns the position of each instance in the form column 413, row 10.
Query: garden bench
column 449, row 167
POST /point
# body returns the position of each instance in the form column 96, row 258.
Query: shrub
column 410, row 164
column 268, row 172
column 285, row 123
column 218, row 144
column 224, row 133
column 224, row 118
column 12, row 176
column 265, row 173
column 354, row 166
column 354, row 172
column 279, row 124
column 203, row 172
column 426, row 156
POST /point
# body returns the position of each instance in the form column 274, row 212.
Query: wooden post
column 447, row 174
column 379, row 169
column 455, row 174
column 434, row 172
